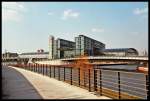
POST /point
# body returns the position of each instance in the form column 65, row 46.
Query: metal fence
column 114, row 84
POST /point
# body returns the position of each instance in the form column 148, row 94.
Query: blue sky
column 27, row 25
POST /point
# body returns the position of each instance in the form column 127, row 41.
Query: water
column 130, row 67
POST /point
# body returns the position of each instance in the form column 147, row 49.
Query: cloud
column 12, row 11
column 141, row 11
column 69, row 13
column 97, row 30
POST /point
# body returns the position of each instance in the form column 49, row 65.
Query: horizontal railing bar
column 132, row 92
column 133, row 83
column 108, row 82
column 133, row 79
column 133, row 87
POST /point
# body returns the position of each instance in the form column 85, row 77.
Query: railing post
column 79, row 75
column 54, row 71
column 147, row 84
column 84, row 78
column 89, row 81
column 39, row 65
column 50, row 71
column 37, row 68
column 71, row 75
column 119, row 85
column 100, row 81
column 43, row 69
column 46, row 69
column 34, row 67
column 30, row 67
column 95, row 80
column 58, row 73
column 64, row 74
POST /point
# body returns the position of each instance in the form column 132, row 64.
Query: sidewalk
column 22, row 84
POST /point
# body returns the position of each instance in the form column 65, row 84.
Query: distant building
column 120, row 52
column 9, row 55
column 84, row 45
column 64, row 48
column 51, row 47
column 34, row 55
column 60, row 48
column 88, row 46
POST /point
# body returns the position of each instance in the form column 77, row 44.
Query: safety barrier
column 114, row 84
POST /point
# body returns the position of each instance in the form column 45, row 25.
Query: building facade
column 51, row 47
column 34, row 55
column 60, row 48
column 84, row 45
column 87, row 46
column 65, row 48
column 9, row 55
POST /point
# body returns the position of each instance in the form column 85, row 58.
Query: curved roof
column 120, row 50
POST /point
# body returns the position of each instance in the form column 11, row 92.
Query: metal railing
column 114, row 84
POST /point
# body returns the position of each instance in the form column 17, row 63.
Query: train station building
column 83, row 45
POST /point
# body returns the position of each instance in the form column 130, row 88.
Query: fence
column 114, row 84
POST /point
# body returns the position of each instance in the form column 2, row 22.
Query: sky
column 26, row 26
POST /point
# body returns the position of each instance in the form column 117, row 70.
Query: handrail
column 98, row 80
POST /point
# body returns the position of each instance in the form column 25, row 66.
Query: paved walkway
column 22, row 84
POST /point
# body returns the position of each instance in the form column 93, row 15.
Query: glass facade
column 83, row 45
column 87, row 46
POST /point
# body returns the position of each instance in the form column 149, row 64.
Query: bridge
column 92, row 59
column 134, row 58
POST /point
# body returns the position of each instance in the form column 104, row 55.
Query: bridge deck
column 22, row 84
